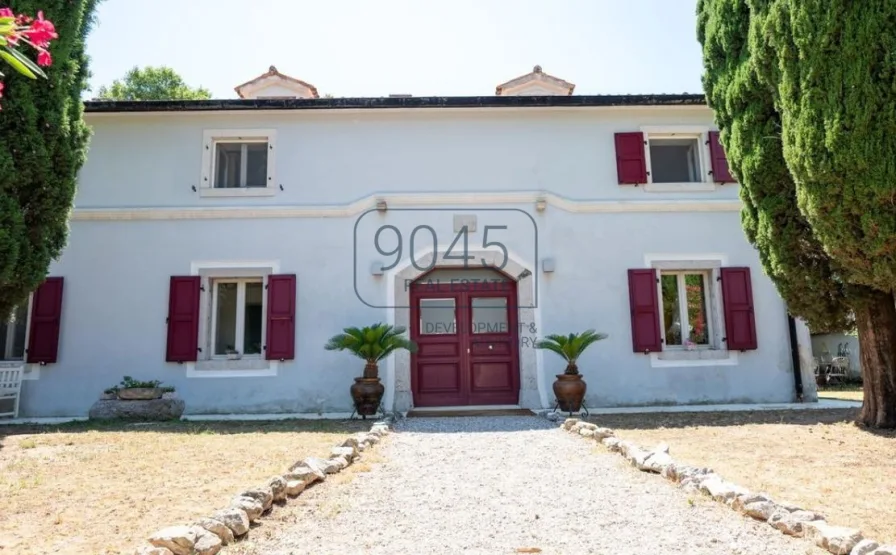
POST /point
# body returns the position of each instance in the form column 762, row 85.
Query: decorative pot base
column 570, row 392
column 367, row 393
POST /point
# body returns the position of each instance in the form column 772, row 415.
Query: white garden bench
column 11, row 388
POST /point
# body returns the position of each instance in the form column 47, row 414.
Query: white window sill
column 237, row 192
column 699, row 357
column 696, row 187
column 248, row 368
column 30, row 372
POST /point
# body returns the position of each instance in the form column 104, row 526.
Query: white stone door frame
column 398, row 396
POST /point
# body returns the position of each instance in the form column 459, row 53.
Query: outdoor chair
column 11, row 389
column 839, row 368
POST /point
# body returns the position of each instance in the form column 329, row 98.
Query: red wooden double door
column 468, row 353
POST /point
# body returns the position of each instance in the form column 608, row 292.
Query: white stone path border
column 206, row 536
column 789, row 519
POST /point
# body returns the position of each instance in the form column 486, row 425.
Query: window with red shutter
column 720, row 171
column 631, row 164
column 737, row 298
column 642, row 287
column 46, row 316
column 183, row 319
column 281, row 325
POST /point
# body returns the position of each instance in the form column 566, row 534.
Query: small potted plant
column 372, row 344
column 569, row 388
column 133, row 390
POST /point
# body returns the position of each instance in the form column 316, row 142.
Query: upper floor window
column 671, row 158
column 674, row 159
column 241, row 164
column 238, row 162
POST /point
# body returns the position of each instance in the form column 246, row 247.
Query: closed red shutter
column 645, row 311
column 720, row 171
column 46, row 315
column 281, row 329
column 631, row 165
column 183, row 319
column 737, row 298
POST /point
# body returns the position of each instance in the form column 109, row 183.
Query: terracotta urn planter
column 570, row 391
column 372, row 344
column 367, row 393
column 140, row 393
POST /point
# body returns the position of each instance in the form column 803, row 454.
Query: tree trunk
column 371, row 370
column 876, row 323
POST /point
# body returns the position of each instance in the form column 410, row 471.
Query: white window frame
column 717, row 354
column 249, row 366
column 29, row 371
column 212, row 137
column 240, row 331
column 701, row 135
column 683, row 316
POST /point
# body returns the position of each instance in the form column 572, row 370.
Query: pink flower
column 6, row 12
column 41, row 31
column 44, row 58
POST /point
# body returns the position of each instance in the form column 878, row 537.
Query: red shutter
column 631, row 165
column 281, row 330
column 737, row 298
column 183, row 319
column 645, row 311
column 46, row 315
column 720, row 171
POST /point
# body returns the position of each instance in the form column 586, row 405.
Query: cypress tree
column 742, row 59
column 43, row 144
column 832, row 65
column 750, row 132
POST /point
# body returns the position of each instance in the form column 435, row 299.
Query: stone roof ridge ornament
column 544, row 83
column 250, row 88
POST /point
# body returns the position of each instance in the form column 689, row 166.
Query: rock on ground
column 485, row 486
column 155, row 409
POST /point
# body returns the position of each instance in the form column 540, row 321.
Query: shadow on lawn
column 189, row 427
column 724, row 419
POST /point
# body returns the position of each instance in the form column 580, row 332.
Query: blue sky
column 421, row 47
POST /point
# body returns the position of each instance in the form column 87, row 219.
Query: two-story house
column 215, row 245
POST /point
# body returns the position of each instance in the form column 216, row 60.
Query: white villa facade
column 216, row 245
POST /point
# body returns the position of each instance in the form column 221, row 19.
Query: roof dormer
column 536, row 83
column 274, row 84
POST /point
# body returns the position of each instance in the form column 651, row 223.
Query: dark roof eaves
column 106, row 106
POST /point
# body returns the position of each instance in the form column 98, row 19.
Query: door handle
column 468, row 350
column 490, row 347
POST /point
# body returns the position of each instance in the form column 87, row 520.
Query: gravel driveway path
column 506, row 485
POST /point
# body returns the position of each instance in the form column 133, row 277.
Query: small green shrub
column 130, row 383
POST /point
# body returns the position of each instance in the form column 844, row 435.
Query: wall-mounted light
column 548, row 265
column 381, row 205
column 524, row 274
column 541, row 204
column 376, row 269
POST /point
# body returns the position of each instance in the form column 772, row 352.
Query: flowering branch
column 21, row 29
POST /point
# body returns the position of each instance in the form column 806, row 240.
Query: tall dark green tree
column 742, row 59
column 43, row 144
column 834, row 76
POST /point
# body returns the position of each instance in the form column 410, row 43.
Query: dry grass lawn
column 100, row 489
column 847, row 392
column 817, row 459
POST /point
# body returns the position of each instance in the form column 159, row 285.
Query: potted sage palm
column 372, row 344
column 569, row 388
